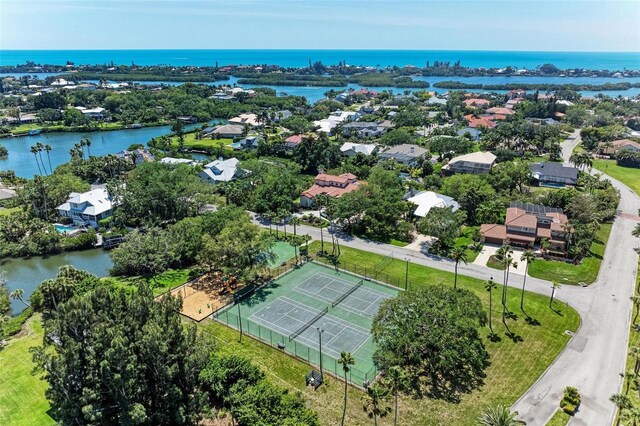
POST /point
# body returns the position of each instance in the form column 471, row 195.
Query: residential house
column 97, row 113
column 511, row 103
column 227, row 131
column 612, row 148
column 351, row 149
column 436, row 101
column 87, row 208
column 407, row 154
column 246, row 119
column 138, row 156
column 477, row 103
column 24, row 119
column 426, row 200
column 282, row 115
column 366, row 129
column 515, row 94
column 528, row 224
column 330, row 185
column 221, row 171
column 250, row 142
column 472, row 132
column 473, row 163
column 475, row 122
column 554, row 174
column 221, row 96
column 326, row 125
column 500, row 111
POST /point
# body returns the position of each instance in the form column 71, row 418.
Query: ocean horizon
column 617, row 61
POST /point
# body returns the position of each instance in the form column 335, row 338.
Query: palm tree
column 17, row 294
column 636, row 231
column 40, row 147
column 346, row 361
column 622, row 402
column 489, row 286
column 630, row 376
column 459, row 254
column 395, row 381
column 374, row 404
column 295, row 221
column 554, row 286
column 47, row 149
column 528, row 257
column 636, row 305
column 34, row 151
column 87, row 143
column 499, row 415
column 634, row 351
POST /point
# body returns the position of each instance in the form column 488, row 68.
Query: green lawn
column 627, row 175
column 22, row 400
column 159, row 284
column 515, row 366
column 7, row 212
column 567, row 273
column 465, row 239
column 560, row 418
column 190, row 141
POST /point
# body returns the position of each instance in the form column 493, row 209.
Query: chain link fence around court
column 356, row 375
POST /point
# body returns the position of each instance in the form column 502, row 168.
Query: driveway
column 595, row 357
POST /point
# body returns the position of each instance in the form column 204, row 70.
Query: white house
column 175, row 161
column 352, row 149
column 87, row 208
column 221, row 170
column 426, row 200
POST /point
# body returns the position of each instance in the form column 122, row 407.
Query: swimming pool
column 64, row 229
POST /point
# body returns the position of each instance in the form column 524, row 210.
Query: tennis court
column 282, row 252
column 315, row 301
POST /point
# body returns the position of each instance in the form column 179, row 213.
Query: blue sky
column 577, row 25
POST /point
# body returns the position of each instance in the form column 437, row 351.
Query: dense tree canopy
column 433, row 336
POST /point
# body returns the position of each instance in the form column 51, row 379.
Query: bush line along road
column 596, row 355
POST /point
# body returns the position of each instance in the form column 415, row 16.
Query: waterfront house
column 87, row 208
column 138, row 156
column 176, row 161
column 515, row 94
column 221, row 171
column 330, row 185
column 407, row 154
column 227, row 131
column 246, row 119
column 351, row 149
column 527, row 225
column 426, row 200
column 554, row 174
column 250, row 142
column 473, row 163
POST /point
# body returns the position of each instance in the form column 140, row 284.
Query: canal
column 28, row 273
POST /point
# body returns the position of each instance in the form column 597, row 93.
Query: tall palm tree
column 458, row 254
column 81, row 145
column 374, row 402
column 634, row 351
column 34, row 151
column 636, row 305
column 17, row 295
column 40, row 147
column 528, row 257
column 346, row 361
column 87, row 143
column 622, row 402
column 499, row 415
column 490, row 286
column 395, row 381
column 554, row 286
column 48, row 149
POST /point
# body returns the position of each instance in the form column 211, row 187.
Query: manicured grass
column 190, row 141
column 465, row 239
column 22, row 400
column 627, row 175
column 495, row 263
column 515, row 365
column 159, row 284
column 560, row 418
column 567, row 273
column 398, row 243
column 7, row 212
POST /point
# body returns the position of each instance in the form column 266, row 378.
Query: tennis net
column 307, row 325
column 345, row 295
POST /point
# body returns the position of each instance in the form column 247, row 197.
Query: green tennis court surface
column 291, row 311
column 282, row 252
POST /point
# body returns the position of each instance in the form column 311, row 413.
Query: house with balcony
column 87, row 208
column 330, row 185
column 527, row 225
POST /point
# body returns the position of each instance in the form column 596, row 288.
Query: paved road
column 595, row 357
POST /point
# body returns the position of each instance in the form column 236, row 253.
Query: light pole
column 406, row 275
column 320, row 331
column 240, row 321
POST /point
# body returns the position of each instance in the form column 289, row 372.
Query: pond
column 28, row 273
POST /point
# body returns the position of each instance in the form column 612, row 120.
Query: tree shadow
column 556, row 311
column 532, row 321
column 493, row 337
column 515, row 338
column 511, row 315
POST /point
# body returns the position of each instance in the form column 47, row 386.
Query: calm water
column 27, row 274
column 299, row 58
column 23, row 162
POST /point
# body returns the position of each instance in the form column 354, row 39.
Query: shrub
column 570, row 400
column 570, row 409
column 83, row 241
column 14, row 325
column 628, row 159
